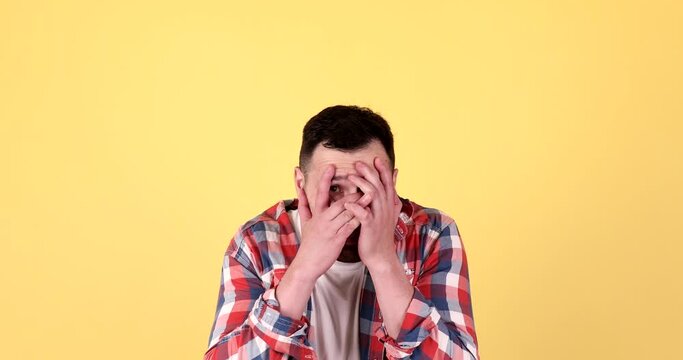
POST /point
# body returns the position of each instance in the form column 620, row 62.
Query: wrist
column 293, row 291
column 385, row 263
column 301, row 274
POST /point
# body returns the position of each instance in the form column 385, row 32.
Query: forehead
column 344, row 160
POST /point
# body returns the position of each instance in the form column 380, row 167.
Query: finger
column 361, row 213
column 365, row 200
column 341, row 219
column 398, row 200
column 322, row 201
column 345, row 231
column 369, row 190
column 345, row 183
column 386, row 176
column 304, row 210
column 338, row 206
column 371, row 175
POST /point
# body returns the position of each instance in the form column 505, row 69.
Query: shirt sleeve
column 248, row 323
column 439, row 323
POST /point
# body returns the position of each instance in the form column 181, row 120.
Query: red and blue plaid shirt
column 438, row 323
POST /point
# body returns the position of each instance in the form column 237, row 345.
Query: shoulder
column 260, row 238
column 434, row 241
column 271, row 221
column 430, row 231
column 427, row 219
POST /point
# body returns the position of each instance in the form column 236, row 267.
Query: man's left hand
column 379, row 219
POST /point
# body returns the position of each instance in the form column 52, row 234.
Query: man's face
column 344, row 165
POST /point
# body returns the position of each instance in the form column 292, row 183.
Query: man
column 348, row 269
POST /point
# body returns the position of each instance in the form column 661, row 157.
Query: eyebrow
column 339, row 177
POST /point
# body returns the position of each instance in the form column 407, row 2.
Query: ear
column 299, row 178
column 395, row 176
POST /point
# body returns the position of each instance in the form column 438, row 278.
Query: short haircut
column 345, row 128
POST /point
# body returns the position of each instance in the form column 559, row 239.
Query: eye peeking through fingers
column 338, row 189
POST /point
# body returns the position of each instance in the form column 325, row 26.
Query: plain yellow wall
column 136, row 137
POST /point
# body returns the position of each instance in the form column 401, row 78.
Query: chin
column 352, row 240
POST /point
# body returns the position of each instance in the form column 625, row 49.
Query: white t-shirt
column 335, row 297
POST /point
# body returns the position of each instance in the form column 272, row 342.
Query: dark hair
column 345, row 128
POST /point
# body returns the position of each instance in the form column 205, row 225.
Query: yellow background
column 136, row 137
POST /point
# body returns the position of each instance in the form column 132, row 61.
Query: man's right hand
column 325, row 229
column 323, row 234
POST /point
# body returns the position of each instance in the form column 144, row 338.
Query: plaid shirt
column 438, row 323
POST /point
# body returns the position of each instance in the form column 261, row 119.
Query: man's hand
column 376, row 243
column 323, row 235
column 378, row 221
column 322, row 239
